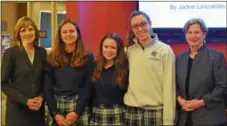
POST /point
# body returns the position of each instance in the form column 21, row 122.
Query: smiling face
column 109, row 49
column 27, row 35
column 141, row 27
column 195, row 35
column 68, row 34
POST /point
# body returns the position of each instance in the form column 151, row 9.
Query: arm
column 219, row 75
column 84, row 93
column 169, row 89
column 48, row 90
column 126, row 81
column 178, row 92
column 41, row 94
column 6, row 76
column 179, row 96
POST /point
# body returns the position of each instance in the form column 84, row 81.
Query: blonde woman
column 22, row 76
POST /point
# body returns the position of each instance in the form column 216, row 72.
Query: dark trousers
column 189, row 119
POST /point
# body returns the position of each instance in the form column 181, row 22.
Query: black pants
column 189, row 120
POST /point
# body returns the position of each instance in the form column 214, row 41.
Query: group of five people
column 146, row 85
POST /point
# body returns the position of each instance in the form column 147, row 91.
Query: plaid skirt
column 135, row 116
column 67, row 104
column 107, row 115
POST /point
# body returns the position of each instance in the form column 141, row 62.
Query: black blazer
column 22, row 80
column 207, row 82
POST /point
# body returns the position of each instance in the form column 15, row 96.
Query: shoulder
column 131, row 47
column 160, row 45
column 163, row 47
column 182, row 54
column 215, row 54
column 90, row 61
column 11, row 50
column 90, row 56
column 41, row 50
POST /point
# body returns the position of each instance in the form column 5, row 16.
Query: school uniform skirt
column 67, row 104
column 108, row 115
column 135, row 116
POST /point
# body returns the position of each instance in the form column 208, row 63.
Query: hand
column 32, row 104
column 71, row 117
column 194, row 104
column 39, row 101
column 181, row 101
column 35, row 103
column 187, row 109
column 60, row 120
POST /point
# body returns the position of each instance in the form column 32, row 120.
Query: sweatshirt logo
column 154, row 55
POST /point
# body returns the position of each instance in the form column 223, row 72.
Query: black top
column 190, row 62
column 68, row 81
column 105, row 91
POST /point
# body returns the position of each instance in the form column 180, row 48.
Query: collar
column 154, row 39
column 69, row 54
column 109, row 68
column 200, row 49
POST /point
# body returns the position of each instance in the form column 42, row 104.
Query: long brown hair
column 58, row 56
column 24, row 22
column 120, row 61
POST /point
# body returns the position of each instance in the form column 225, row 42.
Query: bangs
column 26, row 24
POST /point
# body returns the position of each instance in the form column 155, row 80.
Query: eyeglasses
column 142, row 25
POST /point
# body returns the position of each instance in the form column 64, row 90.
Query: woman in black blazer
column 22, row 74
column 201, row 80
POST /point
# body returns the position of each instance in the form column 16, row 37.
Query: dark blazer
column 207, row 82
column 22, row 80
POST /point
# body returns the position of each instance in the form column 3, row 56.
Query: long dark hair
column 120, row 61
column 58, row 57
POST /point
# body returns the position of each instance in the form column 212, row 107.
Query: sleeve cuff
column 24, row 101
column 207, row 102
column 42, row 95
